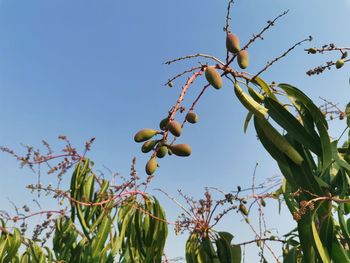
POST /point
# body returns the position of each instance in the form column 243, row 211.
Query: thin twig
column 270, row 23
column 269, row 64
column 227, row 24
column 194, row 56
column 181, row 74
column 181, row 97
column 261, row 239
column 176, row 202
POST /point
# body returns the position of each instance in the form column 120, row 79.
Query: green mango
column 243, row 59
column 232, row 43
column 192, row 117
column 180, row 149
column 213, row 77
column 175, row 128
column 144, row 135
column 151, row 166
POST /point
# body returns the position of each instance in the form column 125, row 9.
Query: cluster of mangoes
column 160, row 147
column 234, row 47
column 338, row 64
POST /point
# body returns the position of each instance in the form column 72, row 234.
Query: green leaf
column 306, row 117
column 36, row 252
column 337, row 158
column 342, row 223
column 291, row 256
column 124, row 218
column 347, row 113
column 207, row 245
column 306, row 240
column 191, row 248
column 255, row 95
column 247, row 120
column 288, row 122
column 269, row 146
column 25, row 258
column 326, row 146
column 249, row 103
column 14, row 244
column 298, row 95
column 137, row 221
column 321, row 251
column 226, row 235
column 224, row 248
column 278, row 140
column 3, row 243
column 339, row 255
column 327, row 230
column 98, row 197
column 49, row 256
column 202, row 256
column 101, row 237
column 88, row 191
column 261, row 83
column 236, row 253
column 288, row 197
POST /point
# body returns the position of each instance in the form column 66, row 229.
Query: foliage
column 106, row 223
column 101, row 225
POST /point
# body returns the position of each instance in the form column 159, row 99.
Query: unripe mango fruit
column 192, row 117
column 162, row 151
column 151, row 166
column 213, row 77
column 180, row 149
column 243, row 59
column 144, row 135
column 163, row 123
column 175, row 128
column 232, row 43
column 148, row 146
column 243, row 209
column 312, row 50
column 339, row 63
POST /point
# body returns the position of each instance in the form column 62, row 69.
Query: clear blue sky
column 95, row 68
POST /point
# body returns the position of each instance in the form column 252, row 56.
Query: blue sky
column 95, row 69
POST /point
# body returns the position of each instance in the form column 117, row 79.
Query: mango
column 144, row 135
column 312, row 50
column 232, row 43
column 213, row 77
column 163, row 123
column 151, row 166
column 258, row 243
column 339, row 63
column 162, row 151
column 243, row 209
column 180, row 149
column 192, row 117
column 243, row 59
column 175, row 128
column 148, row 146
